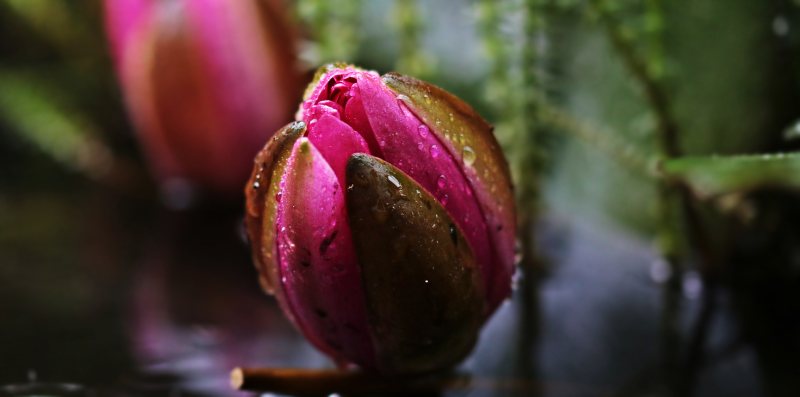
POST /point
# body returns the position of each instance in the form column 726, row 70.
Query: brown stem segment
column 297, row 381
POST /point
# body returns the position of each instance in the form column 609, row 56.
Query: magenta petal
column 336, row 141
column 469, row 139
column 355, row 116
column 125, row 19
column 408, row 144
column 317, row 258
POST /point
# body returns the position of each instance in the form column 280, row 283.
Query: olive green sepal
column 424, row 301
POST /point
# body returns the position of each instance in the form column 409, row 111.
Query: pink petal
column 124, row 20
column 245, row 75
column 317, row 258
column 407, row 143
column 206, row 81
column 336, row 141
column 355, row 116
column 469, row 139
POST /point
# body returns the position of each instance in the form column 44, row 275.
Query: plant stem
column 412, row 59
column 654, row 92
column 334, row 28
column 627, row 155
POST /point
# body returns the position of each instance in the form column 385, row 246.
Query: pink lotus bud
column 206, row 82
column 384, row 221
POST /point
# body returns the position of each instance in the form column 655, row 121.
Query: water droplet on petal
column 468, row 154
column 423, row 131
column 441, row 181
column 421, row 146
column 435, row 151
column 443, row 200
column 394, row 181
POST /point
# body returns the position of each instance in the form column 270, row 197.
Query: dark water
column 110, row 296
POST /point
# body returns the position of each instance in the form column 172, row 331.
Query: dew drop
column 421, row 146
column 256, row 185
column 278, row 196
column 394, row 181
column 435, row 151
column 468, row 154
column 441, row 181
column 423, row 131
column 443, row 200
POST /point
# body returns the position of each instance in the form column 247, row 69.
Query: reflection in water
column 133, row 307
column 196, row 311
column 34, row 387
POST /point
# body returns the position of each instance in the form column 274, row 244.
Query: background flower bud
column 205, row 82
column 384, row 221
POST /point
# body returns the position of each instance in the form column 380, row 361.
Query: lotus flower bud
column 205, row 81
column 383, row 221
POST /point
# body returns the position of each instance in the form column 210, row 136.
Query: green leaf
column 719, row 175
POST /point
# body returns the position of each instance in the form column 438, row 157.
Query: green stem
column 412, row 59
column 490, row 17
column 334, row 28
column 654, row 29
column 627, row 155
column 654, row 92
column 676, row 202
column 531, row 157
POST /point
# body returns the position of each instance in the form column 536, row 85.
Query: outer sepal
column 261, row 193
column 319, row 276
column 421, row 283
column 469, row 139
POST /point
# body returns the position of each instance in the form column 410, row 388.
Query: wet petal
column 469, row 139
column 124, row 20
column 424, row 299
column 196, row 77
column 263, row 193
column 336, row 141
column 408, row 143
column 318, row 269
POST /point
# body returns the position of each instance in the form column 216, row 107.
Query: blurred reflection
column 34, row 387
column 196, row 311
column 133, row 301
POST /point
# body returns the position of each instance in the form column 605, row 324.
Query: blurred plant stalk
column 205, row 82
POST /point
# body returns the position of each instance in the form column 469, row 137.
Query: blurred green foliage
column 568, row 84
column 574, row 118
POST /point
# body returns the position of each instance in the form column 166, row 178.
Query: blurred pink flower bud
column 384, row 221
column 205, row 82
